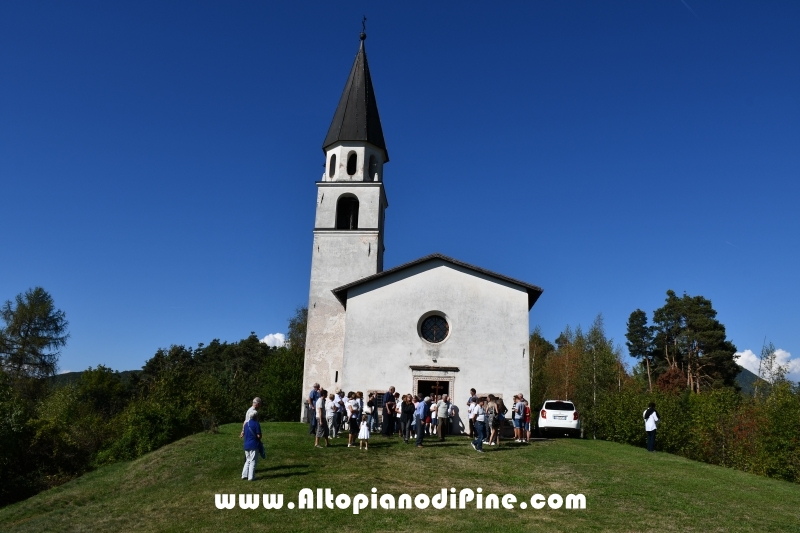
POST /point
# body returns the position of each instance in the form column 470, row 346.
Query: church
column 435, row 325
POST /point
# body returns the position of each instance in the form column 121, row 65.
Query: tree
column 33, row 335
column 297, row 331
column 562, row 368
column 640, row 341
column 599, row 370
column 688, row 337
column 770, row 371
column 540, row 349
column 103, row 390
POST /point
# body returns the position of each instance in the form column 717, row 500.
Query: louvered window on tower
column 332, row 167
column 352, row 161
column 347, row 212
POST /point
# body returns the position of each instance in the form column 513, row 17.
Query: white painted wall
column 363, row 151
column 488, row 321
column 370, row 203
column 340, row 257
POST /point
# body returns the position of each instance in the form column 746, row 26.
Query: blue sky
column 158, row 159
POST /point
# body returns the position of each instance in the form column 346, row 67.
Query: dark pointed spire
column 356, row 117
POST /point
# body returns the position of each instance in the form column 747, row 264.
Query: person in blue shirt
column 313, row 396
column 422, row 412
column 252, row 438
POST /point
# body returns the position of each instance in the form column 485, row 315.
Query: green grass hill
column 626, row 489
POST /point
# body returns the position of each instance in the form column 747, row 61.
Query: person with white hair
column 253, row 409
column 423, row 412
column 322, row 422
column 443, row 416
column 252, row 445
column 330, row 415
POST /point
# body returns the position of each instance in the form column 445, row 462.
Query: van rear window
column 559, row 406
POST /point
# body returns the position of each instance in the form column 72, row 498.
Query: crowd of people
column 409, row 417
column 412, row 417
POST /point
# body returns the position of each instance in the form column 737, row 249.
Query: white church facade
column 433, row 325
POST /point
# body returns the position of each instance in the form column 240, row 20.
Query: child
column 363, row 433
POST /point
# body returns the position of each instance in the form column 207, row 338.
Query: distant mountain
column 69, row 378
column 746, row 381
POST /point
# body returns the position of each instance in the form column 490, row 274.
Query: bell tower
column 348, row 230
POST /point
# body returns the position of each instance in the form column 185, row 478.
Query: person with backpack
column 650, row 416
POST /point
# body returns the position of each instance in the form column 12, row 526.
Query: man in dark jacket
column 387, row 427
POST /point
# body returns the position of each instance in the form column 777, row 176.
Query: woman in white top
column 650, row 416
column 397, row 414
column 479, row 416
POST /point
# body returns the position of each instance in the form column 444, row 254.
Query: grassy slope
column 627, row 489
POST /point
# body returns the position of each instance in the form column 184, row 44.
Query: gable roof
column 356, row 117
column 533, row 291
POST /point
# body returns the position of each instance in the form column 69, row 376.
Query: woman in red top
column 527, row 421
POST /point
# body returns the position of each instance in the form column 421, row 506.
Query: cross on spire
column 356, row 117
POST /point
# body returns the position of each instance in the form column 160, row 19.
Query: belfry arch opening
column 332, row 166
column 347, row 212
column 352, row 163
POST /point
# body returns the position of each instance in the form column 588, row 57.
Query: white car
column 558, row 417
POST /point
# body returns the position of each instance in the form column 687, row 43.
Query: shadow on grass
column 281, row 467
column 372, row 444
column 503, row 449
column 287, row 474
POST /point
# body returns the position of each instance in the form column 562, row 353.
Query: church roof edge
column 533, row 291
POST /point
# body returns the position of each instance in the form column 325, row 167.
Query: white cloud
column 784, row 358
column 749, row 360
column 274, row 339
